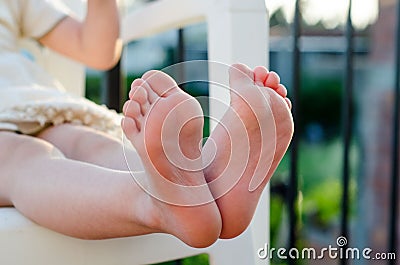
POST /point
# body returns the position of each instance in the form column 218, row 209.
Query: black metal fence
column 114, row 96
column 347, row 121
column 393, row 226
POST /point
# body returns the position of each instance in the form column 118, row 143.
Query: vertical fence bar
column 181, row 46
column 394, row 195
column 112, row 87
column 293, row 181
column 347, row 121
column 181, row 57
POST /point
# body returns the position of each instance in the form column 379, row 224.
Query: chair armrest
column 24, row 242
column 160, row 16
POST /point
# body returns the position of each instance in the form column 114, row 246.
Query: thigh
column 86, row 144
column 74, row 140
column 68, row 196
column 18, row 153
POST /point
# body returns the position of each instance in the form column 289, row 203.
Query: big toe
column 240, row 75
column 162, row 84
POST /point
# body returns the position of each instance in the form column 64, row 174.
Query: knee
column 21, row 147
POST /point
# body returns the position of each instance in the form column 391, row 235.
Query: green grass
column 195, row 260
column 320, row 191
column 320, row 185
column 93, row 88
column 317, row 164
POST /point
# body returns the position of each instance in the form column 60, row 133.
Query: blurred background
column 320, row 124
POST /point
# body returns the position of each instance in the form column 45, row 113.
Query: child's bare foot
column 251, row 139
column 165, row 126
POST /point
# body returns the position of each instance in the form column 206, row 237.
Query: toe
column 137, row 82
column 260, row 75
column 289, row 103
column 162, row 84
column 241, row 75
column 129, row 127
column 126, row 104
column 151, row 95
column 132, row 109
column 139, row 94
column 272, row 80
column 281, row 90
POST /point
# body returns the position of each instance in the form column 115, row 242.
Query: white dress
column 31, row 99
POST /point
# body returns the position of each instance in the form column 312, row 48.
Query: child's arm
column 95, row 41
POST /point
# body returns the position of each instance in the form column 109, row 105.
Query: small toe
column 151, row 95
column 125, row 107
column 140, row 95
column 129, row 127
column 162, row 84
column 272, row 80
column 281, row 90
column 132, row 109
column 289, row 103
column 260, row 75
column 137, row 82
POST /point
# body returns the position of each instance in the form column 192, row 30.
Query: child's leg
column 89, row 145
column 245, row 130
column 87, row 201
column 4, row 202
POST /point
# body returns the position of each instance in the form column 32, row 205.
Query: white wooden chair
column 237, row 32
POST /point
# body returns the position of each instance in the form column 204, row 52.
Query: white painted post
column 238, row 32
